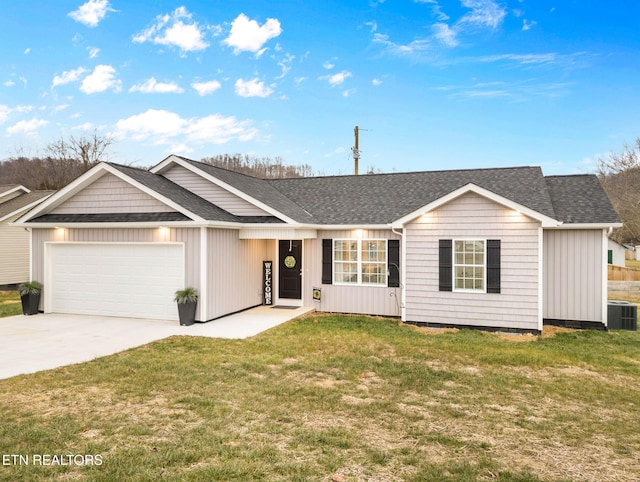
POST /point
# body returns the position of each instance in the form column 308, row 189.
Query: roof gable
column 60, row 204
column 254, row 190
column 546, row 221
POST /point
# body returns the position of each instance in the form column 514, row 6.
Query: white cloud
column 150, row 124
column 483, row 12
column 376, row 82
column 337, row 79
column 27, row 127
column 252, row 88
column 527, row 25
column 27, row 51
column 101, row 79
column 328, row 65
column 68, row 76
column 206, row 88
column 445, row 34
column 9, row 83
column 91, row 12
column 177, row 29
column 151, row 86
column 93, row 52
column 218, row 129
column 247, row 36
column 168, row 128
column 4, row 113
column 414, row 48
column 87, row 126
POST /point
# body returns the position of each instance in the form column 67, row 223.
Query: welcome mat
column 284, row 307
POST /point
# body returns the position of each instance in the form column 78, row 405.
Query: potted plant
column 30, row 297
column 187, row 300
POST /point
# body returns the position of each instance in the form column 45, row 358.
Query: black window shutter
column 393, row 263
column 446, row 264
column 327, row 261
column 493, row 266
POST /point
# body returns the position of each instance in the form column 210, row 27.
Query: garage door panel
column 120, row 279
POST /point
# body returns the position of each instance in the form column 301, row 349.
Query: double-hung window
column 469, row 263
column 360, row 261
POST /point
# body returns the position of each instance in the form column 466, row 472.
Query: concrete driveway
column 41, row 342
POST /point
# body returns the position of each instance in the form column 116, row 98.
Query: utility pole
column 356, row 150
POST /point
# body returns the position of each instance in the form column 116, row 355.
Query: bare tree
column 619, row 174
column 65, row 160
column 87, row 150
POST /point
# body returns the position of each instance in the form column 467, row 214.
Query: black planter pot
column 187, row 313
column 30, row 303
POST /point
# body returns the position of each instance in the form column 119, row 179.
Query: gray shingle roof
column 21, row 201
column 580, row 199
column 377, row 199
column 384, row 198
column 259, row 189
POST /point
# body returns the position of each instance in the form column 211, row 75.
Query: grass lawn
column 336, row 398
column 10, row 303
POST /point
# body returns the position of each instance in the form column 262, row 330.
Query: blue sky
column 433, row 84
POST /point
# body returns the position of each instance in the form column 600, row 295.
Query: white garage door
column 130, row 280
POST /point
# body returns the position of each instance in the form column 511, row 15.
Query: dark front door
column 290, row 268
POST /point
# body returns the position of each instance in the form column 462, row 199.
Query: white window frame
column 360, row 263
column 456, row 265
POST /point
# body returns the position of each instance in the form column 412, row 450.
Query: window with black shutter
column 327, row 261
column 446, row 264
column 393, row 263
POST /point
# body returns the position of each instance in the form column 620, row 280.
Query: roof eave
column 586, row 226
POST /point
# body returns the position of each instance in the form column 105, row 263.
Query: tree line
column 66, row 159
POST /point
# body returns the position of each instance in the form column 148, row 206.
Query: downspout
column 403, row 264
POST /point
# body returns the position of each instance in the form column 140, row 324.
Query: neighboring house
column 616, row 253
column 15, row 200
column 493, row 248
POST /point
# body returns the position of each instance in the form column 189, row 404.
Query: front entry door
column 290, row 268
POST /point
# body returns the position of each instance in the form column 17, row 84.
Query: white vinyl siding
column 472, row 216
column 358, row 299
column 14, row 253
column 213, row 193
column 574, row 268
column 234, row 271
column 110, row 194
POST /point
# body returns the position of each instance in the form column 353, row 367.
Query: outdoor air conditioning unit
column 622, row 315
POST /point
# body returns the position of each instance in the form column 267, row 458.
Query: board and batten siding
column 234, row 271
column 573, row 272
column 189, row 236
column 212, row 193
column 110, row 194
column 14, row 253
column 472, row 216
column 366, row 300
